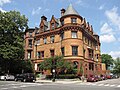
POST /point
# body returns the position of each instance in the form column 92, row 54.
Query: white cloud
column 4, row 2
column 107, row 38
column 115, row 54
column 101, row 7
column 2, row 10
column 106, row 29
column 37, row 11
column 107, row 35
column 113, row 16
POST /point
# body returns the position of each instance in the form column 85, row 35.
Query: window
column 57, row 24
column 45, row 28
column 62, row 51
column 91, row 66
column 42, row 54
column 30, row 34
column 62, row 36
column 97, row 56
column 42, row 28
column 29, row 55
column 45, row 40
column 38, row 42
column 85, row 40
column 38, row 54
column 62, row 22
column 52, row 53
column 74, row 50
column 73, row 20
column 52, row 25
column 74, row 34
column 90, row 54
column 30, row 43
column 52, row 39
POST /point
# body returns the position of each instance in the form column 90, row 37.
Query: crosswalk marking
column 100, row 84
column 118, row 86
column 106, row 84
column 112, row 85
column 20, row 85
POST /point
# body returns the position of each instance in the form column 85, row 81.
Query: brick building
column 70, row 36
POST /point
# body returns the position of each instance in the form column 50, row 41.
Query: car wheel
column 5, row 79
column 24, row 80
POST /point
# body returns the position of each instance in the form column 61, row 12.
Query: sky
column 103, row 15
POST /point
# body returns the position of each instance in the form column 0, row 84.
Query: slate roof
column 70, row 10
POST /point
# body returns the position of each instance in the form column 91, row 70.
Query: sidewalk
column 63, row 81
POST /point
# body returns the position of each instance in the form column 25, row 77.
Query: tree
column 116, row 69
column 12, row 26
column 107, row 59
column 56, row 62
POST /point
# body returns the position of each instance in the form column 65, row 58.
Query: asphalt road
column 113, row 84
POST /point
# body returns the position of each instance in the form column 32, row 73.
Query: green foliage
column 107, row 59
column 116, row 68
column 55, row 62
column 12, row 26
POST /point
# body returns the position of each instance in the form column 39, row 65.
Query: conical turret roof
column 70, row 10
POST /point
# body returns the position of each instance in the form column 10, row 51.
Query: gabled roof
column 70, row 10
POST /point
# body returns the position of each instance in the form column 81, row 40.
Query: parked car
column 109, row 76
column 104, row 77
column 92, row 78
column 114, row 76
column 99, row 78
column 7, row 77
column 25, row 77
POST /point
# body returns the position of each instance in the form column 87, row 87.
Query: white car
column 7, row 77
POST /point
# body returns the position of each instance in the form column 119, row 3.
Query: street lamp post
column 54, row 70
column 53, row 80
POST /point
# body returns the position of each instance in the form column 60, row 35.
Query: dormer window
column 42, row 28
column 73, row 20
column 57, row 24
column 52, row 25
column 62, row 22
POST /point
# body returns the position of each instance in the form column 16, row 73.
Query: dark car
column 114, row 76
column 92, row 78
column 25, row 77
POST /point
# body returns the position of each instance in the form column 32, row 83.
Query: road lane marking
column 4, row 88
column 112, row 85
column 100, row 84
column 107, row 85
column 118, row 86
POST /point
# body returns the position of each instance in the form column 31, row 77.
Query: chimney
column 43, row 18
column 62, row 11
